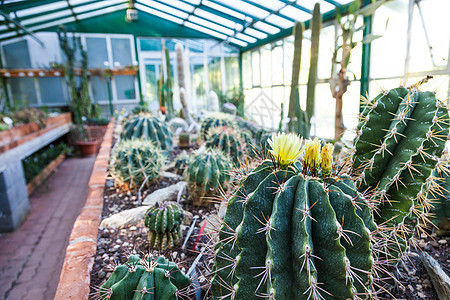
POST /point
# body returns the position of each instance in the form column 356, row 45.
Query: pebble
column 423, row 235
column 101, row 251
column 105, row 256
column 442, row 242
column 419, row 286
column 411, row 288
column 434, row 244
column 421, row 295
column 101, row 274
column 422, row 244
column 132, row 228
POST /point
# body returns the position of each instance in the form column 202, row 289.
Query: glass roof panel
column 158, row 13
column 40, row 8
column 237, row 42
column 255, row 33
column 225, row 22
column 76, row 2
column 295, row 13
column 210, row 25
column 342, row 2
column 246, row 38
column 279, row 21
column 47, row 17
column 309, row 4
column 225, row 10
column 266, row 27
column 270, row 4
column 96, row 5
column 246, row 8
column 195, row 2
column 178, row 4
column 205, row 30
column 165, row 8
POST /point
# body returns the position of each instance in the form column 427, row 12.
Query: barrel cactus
column 207, row 171
column 133, row 161
column 146, row 126
column 294, row 232
column 181, row 162
column 399, row 142
column 146, row 278
column 228, row 140
column 216, row 120
column 439, row 198
column 163, row 222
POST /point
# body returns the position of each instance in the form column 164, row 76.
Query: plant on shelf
column 144, row 278
column 207, row 172
column 400, row 140
column 163, row 222
column 135, row 161
column 146, row 126
column 295, row 231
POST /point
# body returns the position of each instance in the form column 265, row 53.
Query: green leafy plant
column 163, row 222
column 30, row 115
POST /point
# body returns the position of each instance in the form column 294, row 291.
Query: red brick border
column 75, row 274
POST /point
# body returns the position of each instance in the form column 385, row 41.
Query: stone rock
column 170, row 175
column 442, row 242
column 129, row 217
column 169, row 193
column 188, row 216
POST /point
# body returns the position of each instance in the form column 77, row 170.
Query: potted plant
column 81, row 105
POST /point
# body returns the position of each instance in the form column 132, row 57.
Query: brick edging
column 75, row 274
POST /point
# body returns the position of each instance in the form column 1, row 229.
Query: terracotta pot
column 88, row 148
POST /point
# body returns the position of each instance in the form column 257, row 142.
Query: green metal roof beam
column 71, row 9
column 15, row 6
column 21, row 27
column 343, row 9
column 294, row 4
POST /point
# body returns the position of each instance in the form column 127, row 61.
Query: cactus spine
column 316, row 25
column 291, row 235
column 133, row 161
column 146, row 126
column 206, row 172
column 399, row 142
column 146, row 278
column 226, row 139
column 163, row 222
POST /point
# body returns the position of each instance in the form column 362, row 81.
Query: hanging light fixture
column 132, row 13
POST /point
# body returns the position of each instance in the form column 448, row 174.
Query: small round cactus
column 206, row 172
column 146, row 126
column 163, row 221
column 216, row 120
column 146, row 278
column 228, row 140
column 133, row 161
column 181, row 162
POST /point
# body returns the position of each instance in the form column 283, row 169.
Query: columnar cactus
column 163, row 222
column 146, row 126
column 133, row 161
column 399, row 142
column 206, row 172
column 228, row 140
column 146, row 278
column 294, row 235
column 439, row 198
column 216, row 120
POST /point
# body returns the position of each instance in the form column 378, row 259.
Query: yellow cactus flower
column 326, row 156
column 312, row 155
column 286, row 148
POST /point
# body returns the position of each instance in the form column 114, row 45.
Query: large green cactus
column 206, row 172
column 399, row 142
column 291, row 235
column 228, row 140
column 439, row 198
column 146, row 278
column 163, row 222
column 216, row 120
column 133, row 161
column 146, row 126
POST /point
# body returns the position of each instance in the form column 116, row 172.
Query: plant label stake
column 189, row 232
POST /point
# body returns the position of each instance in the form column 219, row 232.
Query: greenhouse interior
column 188, row 149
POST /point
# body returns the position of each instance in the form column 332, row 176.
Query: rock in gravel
column 170, row 175
column 188, row 216
column 169, row 193
column 129, row 217
column 442, row 242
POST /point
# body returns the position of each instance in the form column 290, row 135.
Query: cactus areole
column 295, row 233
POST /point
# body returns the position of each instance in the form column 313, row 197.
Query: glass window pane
column 53, row 90
column 232, row 72
column 288, row 57
column 150, row 44
column 99, row 89
column 125, row 87
column 266, row 65
column 326, row 43
column 151, row 88
column 256, row 73
column 23, row 91
column 121, row 51
column 16, row 55
column 97, row 53
column 324, row 113
column 277, row 65
column 246, row 70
